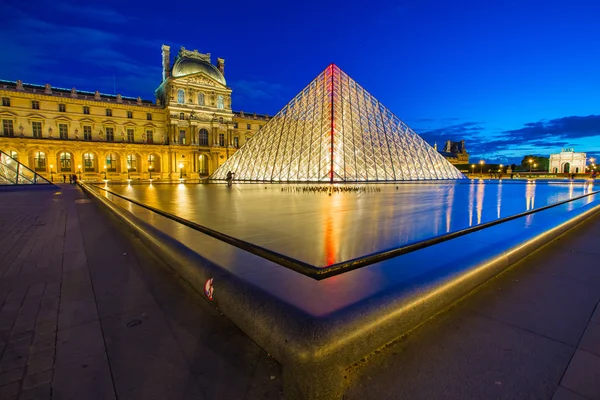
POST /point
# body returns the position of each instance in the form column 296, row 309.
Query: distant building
column 455, row 152
column 568, row 161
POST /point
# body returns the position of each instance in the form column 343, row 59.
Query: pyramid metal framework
column 335, row 131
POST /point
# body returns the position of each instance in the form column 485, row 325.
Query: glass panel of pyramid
column 335, row 131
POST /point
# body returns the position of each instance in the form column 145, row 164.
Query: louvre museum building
column 189, row 130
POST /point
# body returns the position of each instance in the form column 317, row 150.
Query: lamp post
column 79, row 166
column 150, row 171
column 104, row 171
column 51, row 166
column 128, row 169
column 530, row 161
column 180, row 171
column 501, row 168
column 481, row 170
column 472, row 169
column 534, row 166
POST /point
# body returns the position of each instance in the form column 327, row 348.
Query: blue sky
column 509, row 77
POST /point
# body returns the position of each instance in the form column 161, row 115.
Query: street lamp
column 530, row 161
column 472, row 169
column 534, row 166
column 79, row 166
column 128, row 169
column 105, row 172
column 51, row 166
column 150, row 170
column 481, row 170
column 180, row 171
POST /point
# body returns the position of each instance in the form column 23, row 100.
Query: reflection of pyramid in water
column 335, row 131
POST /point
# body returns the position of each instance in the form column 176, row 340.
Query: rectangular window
column 6, row 101
column 86, row 110
column 110, row 135
column 35, row 105
column 36, row 129
column 235, row 125
column 181, row 137
column 150, row 136
column 129, row 114
column 236, row 142
column 221, row 139
column 7, row 126
column 87, row 133
column 248, row 126
column 149, row 116
column 63, row 131
column 130, row 135
column 108, row 112
column 62, row 108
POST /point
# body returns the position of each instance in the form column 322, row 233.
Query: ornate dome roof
column 191, row 65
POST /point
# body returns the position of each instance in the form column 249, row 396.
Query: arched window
column 200, row 99
column 14, row 155
column 220, row 102
column 153, row 163
column 203, row 164
column 203, row 137
column 111, row 162
column 221, row 120
column 181, row 116
column 180, row 96
column 131, row 162
column 39, row 161
column 65, row 161
column 88, row 162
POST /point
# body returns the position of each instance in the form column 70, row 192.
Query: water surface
column 322, row 229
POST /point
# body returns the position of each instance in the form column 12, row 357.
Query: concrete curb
column 315, row 350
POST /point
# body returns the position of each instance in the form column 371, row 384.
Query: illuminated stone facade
column 568, row 161
column 455, row 152
column 189, row 130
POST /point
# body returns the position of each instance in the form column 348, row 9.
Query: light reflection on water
column 322, row 229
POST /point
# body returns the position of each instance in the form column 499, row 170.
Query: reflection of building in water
column 455, row 152
column 530, row 196
column 568, row 161
column 499, row 203
column 449, row 204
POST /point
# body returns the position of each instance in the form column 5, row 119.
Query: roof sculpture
column 335, row 131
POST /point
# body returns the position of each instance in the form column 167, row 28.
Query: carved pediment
column 200, row 79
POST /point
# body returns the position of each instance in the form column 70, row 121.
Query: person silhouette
column 229, row 178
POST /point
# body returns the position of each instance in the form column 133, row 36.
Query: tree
column 543, row 163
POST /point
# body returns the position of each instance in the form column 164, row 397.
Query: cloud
column 249, row 94
column 573, row 127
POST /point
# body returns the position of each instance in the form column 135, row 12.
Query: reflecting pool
column 323, row 229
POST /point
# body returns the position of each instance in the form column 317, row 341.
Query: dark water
column 322, row 229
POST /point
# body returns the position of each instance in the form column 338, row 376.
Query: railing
column 319, row 273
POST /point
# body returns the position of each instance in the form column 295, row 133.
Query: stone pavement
column 88, row 313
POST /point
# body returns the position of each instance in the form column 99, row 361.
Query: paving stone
column 583, row 375
column 42, row 378
column 9, row 391
column 566, row 394
column 40, row 365
column 591, row 339
column 41, row 392
column 11, row 375
column 80, row 342
column 88, row 378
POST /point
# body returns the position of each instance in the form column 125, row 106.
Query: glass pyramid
column 335, row 131
column 13, row 172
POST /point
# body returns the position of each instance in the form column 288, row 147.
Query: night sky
column 509, row 77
